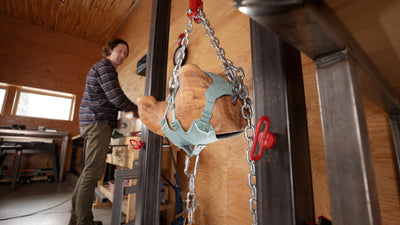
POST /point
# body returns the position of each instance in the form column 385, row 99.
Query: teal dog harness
column 201, row 132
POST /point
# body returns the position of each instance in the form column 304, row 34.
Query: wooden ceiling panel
column 92, row 20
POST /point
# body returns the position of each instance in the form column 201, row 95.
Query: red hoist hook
column 265, row 139
column 192, row 10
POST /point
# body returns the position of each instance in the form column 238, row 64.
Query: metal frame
column 284, row 183
column 352, row 188
column 313, row 28
column 148, row 205
column 48, row 137
column 395, row 125
column 120, row 190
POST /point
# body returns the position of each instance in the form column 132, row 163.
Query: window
column 3, row 92
column 33, row 102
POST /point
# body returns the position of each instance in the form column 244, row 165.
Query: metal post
column 284, row 180
column 352, row 188
column 148, row 201
column 120, row 190
column 395, row 124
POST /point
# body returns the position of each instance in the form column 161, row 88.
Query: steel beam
column 352, row 188
column 395, row 125
column 284, row 180
column 148, row 200
column 313, row 28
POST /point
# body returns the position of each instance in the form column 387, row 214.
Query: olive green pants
column 97, row 137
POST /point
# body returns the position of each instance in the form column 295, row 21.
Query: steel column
column 148, row 205
column 395, row 124
column 284, row 183
column 352, row 189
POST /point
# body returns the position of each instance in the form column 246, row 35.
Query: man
column 101, row 101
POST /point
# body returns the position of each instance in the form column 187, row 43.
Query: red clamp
column 136, row 144
column 192, row 10
column 265, row 139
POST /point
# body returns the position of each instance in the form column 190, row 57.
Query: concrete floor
column 42, row 203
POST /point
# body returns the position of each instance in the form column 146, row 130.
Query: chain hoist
column 235, row 76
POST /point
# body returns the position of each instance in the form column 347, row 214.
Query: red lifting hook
column 192, row 10
column 136, row 144
column 265, row 139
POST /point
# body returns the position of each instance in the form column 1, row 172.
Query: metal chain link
column 174, row 80
column 191, row 201
column 250, row 177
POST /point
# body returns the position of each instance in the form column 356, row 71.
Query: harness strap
column 201, row 132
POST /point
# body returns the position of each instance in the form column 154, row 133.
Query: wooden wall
column 38, row 57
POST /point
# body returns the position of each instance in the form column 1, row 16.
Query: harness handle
column 265, row 139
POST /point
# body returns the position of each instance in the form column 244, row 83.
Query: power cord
column 31, row 214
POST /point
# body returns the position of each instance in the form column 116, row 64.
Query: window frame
column 4, row 87
column 30, row 90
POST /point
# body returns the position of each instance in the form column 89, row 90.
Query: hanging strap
column 201, row 132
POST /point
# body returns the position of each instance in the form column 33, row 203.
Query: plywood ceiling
column 92, row 20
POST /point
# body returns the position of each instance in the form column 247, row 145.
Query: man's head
column 116, row 50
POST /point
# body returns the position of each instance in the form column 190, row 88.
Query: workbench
column 13, row 135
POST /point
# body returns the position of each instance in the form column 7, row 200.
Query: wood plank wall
column 37, row 57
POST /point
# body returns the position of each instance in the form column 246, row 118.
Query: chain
column 174, row 80
column 191, row 201
column 250, row 177
column 235, row 75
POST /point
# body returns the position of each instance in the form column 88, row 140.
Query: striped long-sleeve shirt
column 103, row 96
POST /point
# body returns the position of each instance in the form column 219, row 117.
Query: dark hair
column 111, row 45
